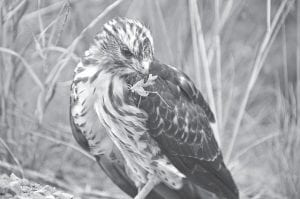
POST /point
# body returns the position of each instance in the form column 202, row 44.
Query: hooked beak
column 145, row 66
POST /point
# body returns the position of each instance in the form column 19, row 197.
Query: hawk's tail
column 194, row 191
column 220, row 183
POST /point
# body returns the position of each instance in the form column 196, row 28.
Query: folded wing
column 179, row 120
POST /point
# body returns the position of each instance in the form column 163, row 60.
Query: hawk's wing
column 179, row 121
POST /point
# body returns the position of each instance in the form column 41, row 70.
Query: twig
column 298, row 64
column 268, row 15
column 253, row 145
column 61, row 50
column 54, row 140
column 101, row 194
column 42, row 11
column 164, row 29
column 41, row 24
column 225, row 15
column 195, row 46
column 11, row 13
column 218, row 67
column 285, row 64
column 229, row 92
column 68, row 8
column 13, row 156
column 26, row 64
column 205, row 64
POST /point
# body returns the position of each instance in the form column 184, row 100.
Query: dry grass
column 244, row 55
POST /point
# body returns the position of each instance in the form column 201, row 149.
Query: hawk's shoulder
column 187, row 87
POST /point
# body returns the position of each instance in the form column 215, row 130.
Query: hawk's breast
column 126, row 124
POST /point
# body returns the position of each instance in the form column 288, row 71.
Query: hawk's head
column 126, row 43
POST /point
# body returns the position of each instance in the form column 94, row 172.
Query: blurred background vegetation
column 244, row 55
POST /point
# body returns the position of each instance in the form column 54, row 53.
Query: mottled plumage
column 157, row 122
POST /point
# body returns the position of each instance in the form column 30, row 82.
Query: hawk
column 158, row 141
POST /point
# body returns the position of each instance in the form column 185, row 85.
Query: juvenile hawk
column 157, row 122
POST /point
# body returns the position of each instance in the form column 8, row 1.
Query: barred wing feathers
column 179, row 120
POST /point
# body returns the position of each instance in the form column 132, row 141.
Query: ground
column 17, row 188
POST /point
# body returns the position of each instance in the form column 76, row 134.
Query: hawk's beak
column 145, row 65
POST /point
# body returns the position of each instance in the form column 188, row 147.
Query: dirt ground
column 16, row 188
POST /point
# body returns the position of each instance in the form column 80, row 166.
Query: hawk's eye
column 126, row 52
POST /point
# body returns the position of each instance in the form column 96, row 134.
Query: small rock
column 61, row 195
column 50, row 197
column 14, row 177
column 24, row 182
column 15, row 187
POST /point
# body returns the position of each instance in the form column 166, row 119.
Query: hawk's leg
column 152, row 182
